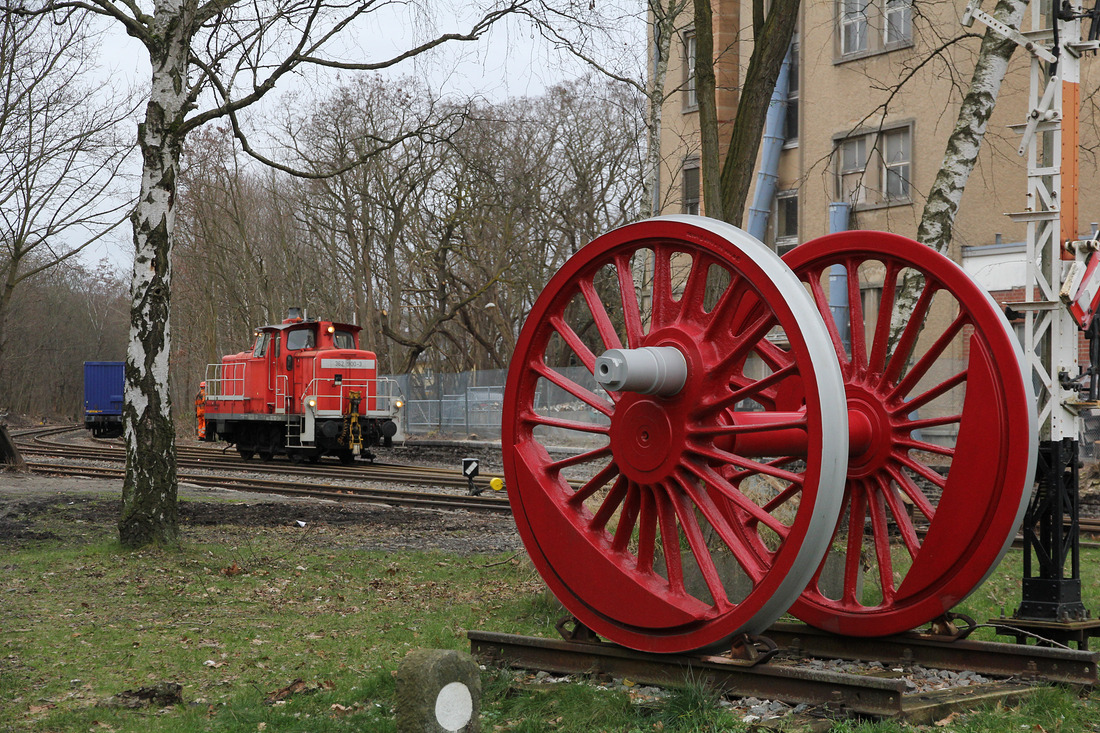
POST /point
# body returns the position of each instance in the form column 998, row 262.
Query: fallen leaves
column 162, row 694
column 298, row 687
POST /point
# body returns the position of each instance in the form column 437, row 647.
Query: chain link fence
column 471, row 404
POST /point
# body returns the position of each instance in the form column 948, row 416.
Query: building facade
column 874, row 92
column 875, row 89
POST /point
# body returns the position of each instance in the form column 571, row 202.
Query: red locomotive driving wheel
column 935, row 496
column 688, row 517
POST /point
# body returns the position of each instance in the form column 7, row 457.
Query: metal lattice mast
column 1054, row 271
column 1049, row 144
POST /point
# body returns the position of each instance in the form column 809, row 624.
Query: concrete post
column 438, row 691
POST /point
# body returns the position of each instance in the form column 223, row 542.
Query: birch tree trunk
column 961, row 154
column 938, row 218
column 664, row 28
column 149, row 491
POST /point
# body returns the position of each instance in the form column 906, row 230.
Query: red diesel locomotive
column 304, row 389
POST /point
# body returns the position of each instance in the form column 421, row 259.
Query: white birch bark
column 663, row 28
column 149, row 491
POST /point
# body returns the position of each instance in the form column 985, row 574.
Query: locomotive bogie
column 305, row 390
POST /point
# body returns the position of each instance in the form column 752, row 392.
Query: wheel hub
column 870, row 455
column 643, row 439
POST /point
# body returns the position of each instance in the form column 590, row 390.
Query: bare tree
column 590, row 33
column 85, row 309
column 210, row 59
column 61, row 152
column 772, row 33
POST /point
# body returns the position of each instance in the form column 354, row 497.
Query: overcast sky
column 511, row 60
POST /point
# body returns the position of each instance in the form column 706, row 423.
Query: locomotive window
column 261, row 344
column 300, row 339
column 343, row 340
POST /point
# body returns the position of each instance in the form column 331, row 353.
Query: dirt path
column 38, row 508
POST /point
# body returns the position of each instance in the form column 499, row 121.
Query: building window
column 690, row 198
column 895, row 164
column 691, row 100
column 786, row 221
column 898, row 28
column 790, row 123
column 853, row 26
column 874, row 168
column 853, row 169
column 873, row 26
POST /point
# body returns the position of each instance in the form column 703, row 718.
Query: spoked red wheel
column 678, row 519
column 934, row 497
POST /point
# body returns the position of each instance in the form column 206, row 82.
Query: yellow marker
column 496, row 484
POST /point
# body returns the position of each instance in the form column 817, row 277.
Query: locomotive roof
column 285, row 325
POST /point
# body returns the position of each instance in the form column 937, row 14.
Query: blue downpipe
column 771, row 146
column 838, row 276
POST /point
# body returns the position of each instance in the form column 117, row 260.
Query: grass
column 240, row 614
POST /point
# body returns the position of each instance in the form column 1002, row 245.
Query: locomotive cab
column 305, row 389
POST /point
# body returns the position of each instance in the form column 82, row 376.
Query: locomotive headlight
column 398, row 404
column 312, row 402
column 332, row 329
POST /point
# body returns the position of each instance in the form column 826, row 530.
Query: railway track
column 210, row 467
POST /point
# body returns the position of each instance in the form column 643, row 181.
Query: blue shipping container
column 104, row 383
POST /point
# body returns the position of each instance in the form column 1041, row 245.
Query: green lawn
column 240, row 614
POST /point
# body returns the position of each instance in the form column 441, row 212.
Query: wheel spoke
column 822, row 301
column 685, row 513
column 575, row 343
column 783, row 497
column 607, row 331
column 856, row 334
column 662, row 288
column 593, row 484
column 647, row 536
column 773, row 357
column 933, row 422
column 749, row 428
column 931, row 356
column 901, row 516
column 909, row 335
column 877, row 361
column 696, row 287
column 557, row 422
column 750, row 390
column 940, row 450
column 880, row 532
column 729, row 305
column 631, row 312
column 586, row 457
column 670, row 540
column 907, row 485
column 732, row 534
column 853, row 554
column 628, row 517
column 746, row 340
column 732, row 493
column 586, row 396
column 938, row 391
column 614, row 499
column 733, row 459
